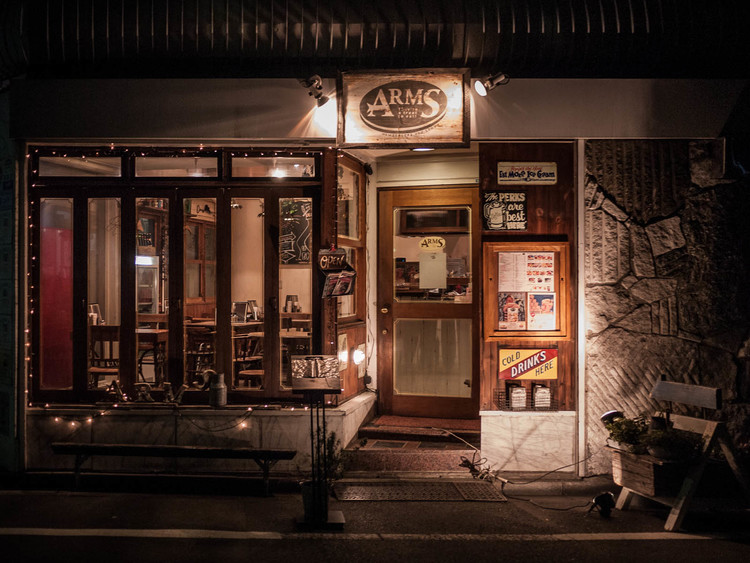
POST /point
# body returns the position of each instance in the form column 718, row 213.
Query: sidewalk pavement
column 542, row 507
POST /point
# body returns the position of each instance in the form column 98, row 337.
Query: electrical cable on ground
column 478, row 472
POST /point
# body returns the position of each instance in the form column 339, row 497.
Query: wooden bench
column 712, row 432
column 265, row 458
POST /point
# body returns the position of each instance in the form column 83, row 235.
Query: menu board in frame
column 526, row 291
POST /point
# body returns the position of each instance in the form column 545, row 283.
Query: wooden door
column 428, row 302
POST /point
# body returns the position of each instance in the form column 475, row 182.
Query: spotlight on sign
column 484, row 85
column 314, row 86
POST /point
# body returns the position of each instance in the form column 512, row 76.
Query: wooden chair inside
column 104, row 361
column 145, row 349
column 199, row 354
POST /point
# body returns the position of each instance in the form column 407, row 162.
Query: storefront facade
column 191, row 211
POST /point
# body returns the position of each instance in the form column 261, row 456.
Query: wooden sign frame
column 404, row 109
column 561, row 289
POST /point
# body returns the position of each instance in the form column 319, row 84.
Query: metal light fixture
column 484, row 85
column 609, row 416
column 314, row 86
column 603, row 503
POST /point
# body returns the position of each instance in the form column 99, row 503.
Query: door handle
column 385, row 309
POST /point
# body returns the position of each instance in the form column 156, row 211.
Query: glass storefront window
column 348, row 194
column 248, row 269
column 295, row 281
column 80, row 166
column 103, row 293
column 200, row 289
column 152, row 289
column 346, row 306
column 176, row 167
column 55, row 306
column 273, row 167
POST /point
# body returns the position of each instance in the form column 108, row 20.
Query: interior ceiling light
column 314, row 86
column 423, row 149
column 484, row 85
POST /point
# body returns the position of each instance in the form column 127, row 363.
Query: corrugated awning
column 296, row 38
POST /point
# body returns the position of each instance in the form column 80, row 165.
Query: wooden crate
column 647, row 475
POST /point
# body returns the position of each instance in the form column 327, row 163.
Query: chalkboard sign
column 295, row 241
column 504, row 211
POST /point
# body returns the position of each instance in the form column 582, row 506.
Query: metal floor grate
column 420, row 491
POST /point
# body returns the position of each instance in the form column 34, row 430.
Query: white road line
column 255, row 535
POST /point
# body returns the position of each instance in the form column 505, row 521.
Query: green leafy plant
column 672, row 444
column 628, row 431
column 334, row 457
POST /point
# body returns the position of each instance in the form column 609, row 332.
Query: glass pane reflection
column 56, row 294
column 432, row 254
column 295, row 281
column 103, row 295
column 152, row 296
column 432, row 357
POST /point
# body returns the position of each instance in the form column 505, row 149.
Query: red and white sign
column 527, row 364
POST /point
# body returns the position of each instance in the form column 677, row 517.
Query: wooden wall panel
column 551, row 218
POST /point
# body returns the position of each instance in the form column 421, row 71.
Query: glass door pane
column 432, row 254
column 432, row 357
column 103, row 292
column 199, row 278
column 248, row 269
column 152, row 298
column 56, row 294
column 295, row 281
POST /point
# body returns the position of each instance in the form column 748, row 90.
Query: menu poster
column 526, row 271
column 526, row 291
column 511, row 312
column 542, row 311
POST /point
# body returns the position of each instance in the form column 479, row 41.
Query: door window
column 432, row 254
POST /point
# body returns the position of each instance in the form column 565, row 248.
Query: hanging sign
column 527, row 364
column 404, row 109
column 527, row 173
column 340, row 276
column 316, row 373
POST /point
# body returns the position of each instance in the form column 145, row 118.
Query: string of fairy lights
column 76, row 422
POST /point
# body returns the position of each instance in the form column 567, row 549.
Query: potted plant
column 672, row 444
column 627, row 433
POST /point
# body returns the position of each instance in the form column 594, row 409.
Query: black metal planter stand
column 315, row 491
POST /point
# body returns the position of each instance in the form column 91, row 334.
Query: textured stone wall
column 667, row 274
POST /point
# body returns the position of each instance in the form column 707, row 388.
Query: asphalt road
column 61, row 526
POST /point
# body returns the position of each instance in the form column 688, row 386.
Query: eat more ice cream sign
column 529, row 173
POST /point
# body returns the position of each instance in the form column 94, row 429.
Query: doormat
column 420, row 491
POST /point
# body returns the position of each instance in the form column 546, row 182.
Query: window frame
column 128, row 189
column 356, row 244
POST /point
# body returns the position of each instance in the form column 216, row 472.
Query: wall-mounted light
column 358, row 355
column 484, row 85
column 609, row 416
column 314, row 86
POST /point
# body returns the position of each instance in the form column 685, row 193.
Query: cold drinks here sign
column 527, row 364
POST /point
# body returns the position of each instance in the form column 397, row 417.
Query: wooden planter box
column 647, row 475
